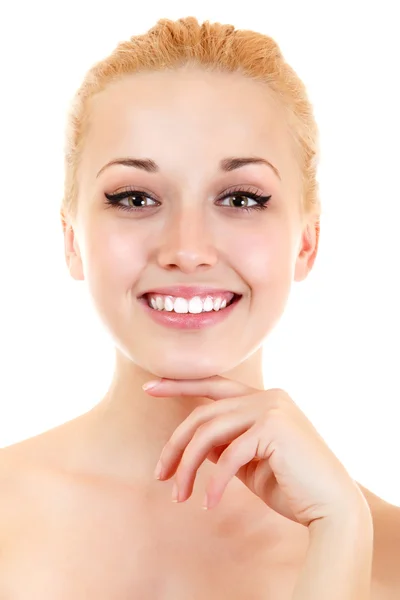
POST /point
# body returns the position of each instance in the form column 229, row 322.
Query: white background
column 336, row 350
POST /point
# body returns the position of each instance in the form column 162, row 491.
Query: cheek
column 115, row 256
column 264, row 258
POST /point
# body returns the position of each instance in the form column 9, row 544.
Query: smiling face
column 193, row 224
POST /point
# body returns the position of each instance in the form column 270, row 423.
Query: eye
column 136, row 200
column 243, row 200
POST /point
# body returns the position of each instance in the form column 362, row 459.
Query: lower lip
column 189, row 320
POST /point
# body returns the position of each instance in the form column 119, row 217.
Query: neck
column 131, row 423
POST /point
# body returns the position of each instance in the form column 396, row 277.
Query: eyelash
column 114, row 200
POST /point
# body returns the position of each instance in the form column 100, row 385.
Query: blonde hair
column 213, row 46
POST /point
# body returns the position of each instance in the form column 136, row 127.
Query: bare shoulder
column 387, row 535
column 20, row 458
column 25, row 469
column 14, row 472
column 18, row 463
column 386, row 564
column 49, row 449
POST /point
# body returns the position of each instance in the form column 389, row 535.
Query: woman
column 191, row 204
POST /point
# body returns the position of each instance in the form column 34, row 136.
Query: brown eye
column 136, row 200
column 240, row 199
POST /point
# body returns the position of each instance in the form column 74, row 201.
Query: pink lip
column 183, row 291
column 188, row 320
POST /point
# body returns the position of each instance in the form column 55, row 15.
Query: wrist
column 339, row 558
column 352, row 516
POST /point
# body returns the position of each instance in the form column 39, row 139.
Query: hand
column 264, row 439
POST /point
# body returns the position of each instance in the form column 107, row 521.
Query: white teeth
column 180, row 305
column 208, row 304
column 194, row 306
column 217, row 303
column 168, row 304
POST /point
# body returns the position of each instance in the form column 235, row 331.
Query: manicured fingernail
column 158, row 471
column 151, row 384
column 175, row 493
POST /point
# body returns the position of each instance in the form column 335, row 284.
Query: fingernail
column 151, row 384
column 158, row 471
column 205, row 503
column 175, row 493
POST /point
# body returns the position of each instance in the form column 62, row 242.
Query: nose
column 186, row 242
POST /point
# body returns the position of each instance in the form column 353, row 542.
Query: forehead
column 186, row 114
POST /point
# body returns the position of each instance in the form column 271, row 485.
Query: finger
column 215, row 387
column 214, row 433
column 235, row 458
column 174, row 448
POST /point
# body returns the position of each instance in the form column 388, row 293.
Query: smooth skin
column 81, row 512
column 267, row 442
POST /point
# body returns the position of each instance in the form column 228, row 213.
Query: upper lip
column 185, row 291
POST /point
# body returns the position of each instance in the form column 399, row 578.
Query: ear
column 71, row 248
column 308, row 249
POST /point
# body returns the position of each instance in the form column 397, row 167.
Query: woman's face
column 182, row 231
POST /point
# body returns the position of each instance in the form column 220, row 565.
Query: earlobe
column 308, row 250
column 72, row 252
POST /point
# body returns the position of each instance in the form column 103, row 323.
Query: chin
column 181, row 367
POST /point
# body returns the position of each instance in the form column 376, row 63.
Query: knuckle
column 197, row 411
column 280, row 396
column 273, row 416
column 228, row 456
column 203, row 429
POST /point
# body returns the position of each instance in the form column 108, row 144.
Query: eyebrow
column 227, row 164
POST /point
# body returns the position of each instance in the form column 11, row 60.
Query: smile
column 194, row 313
column 194, row 305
